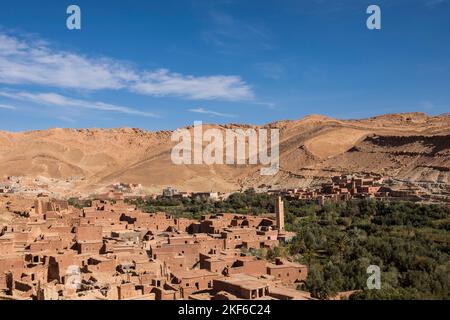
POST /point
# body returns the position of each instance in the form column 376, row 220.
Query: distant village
column 347, row 187
column 340, row 188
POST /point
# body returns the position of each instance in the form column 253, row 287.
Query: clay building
column 115, row 251
column 287, row 272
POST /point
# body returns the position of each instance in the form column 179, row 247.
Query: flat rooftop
column 245, row 281
column 193, row 274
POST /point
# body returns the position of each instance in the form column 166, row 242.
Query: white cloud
column 35, row 62
column 55, row 99
column 270, row 105
column 211, row 113
column 7, row 106
column 164, row 83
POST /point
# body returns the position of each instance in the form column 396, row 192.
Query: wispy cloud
column 67, row 119
column 7, row 106
column 35, row 62
column 54, row 99
column 270, row 105
column 272, row 70
column 433, row 3
column 427, row 105
column 228, row 32
column 430, row 106
column 211, row 113
column 164, row 83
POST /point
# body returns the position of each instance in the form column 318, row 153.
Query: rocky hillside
column 412, row 147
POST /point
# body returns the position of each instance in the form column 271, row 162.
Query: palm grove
column 410, row 242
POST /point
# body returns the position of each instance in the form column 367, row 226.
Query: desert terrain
column 410, row 147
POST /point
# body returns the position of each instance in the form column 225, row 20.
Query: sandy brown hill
column 413, row 147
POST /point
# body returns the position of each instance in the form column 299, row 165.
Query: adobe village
column 114, row 251
column 102, row 245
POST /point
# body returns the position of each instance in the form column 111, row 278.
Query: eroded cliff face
column 414, row 158
column 411, row 147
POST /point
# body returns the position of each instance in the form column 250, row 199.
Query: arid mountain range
column 410, row 147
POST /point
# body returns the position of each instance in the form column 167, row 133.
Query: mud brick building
column 115, row 251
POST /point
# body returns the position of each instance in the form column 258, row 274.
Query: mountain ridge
column 311, row 150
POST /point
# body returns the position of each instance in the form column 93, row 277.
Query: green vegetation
column 80, row 204
column 410, row 242
column 247, row 202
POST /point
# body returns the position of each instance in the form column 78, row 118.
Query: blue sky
column 164, row 64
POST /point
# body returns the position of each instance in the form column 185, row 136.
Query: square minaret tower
column 279, row 210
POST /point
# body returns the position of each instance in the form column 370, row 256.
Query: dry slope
column 413, row 147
